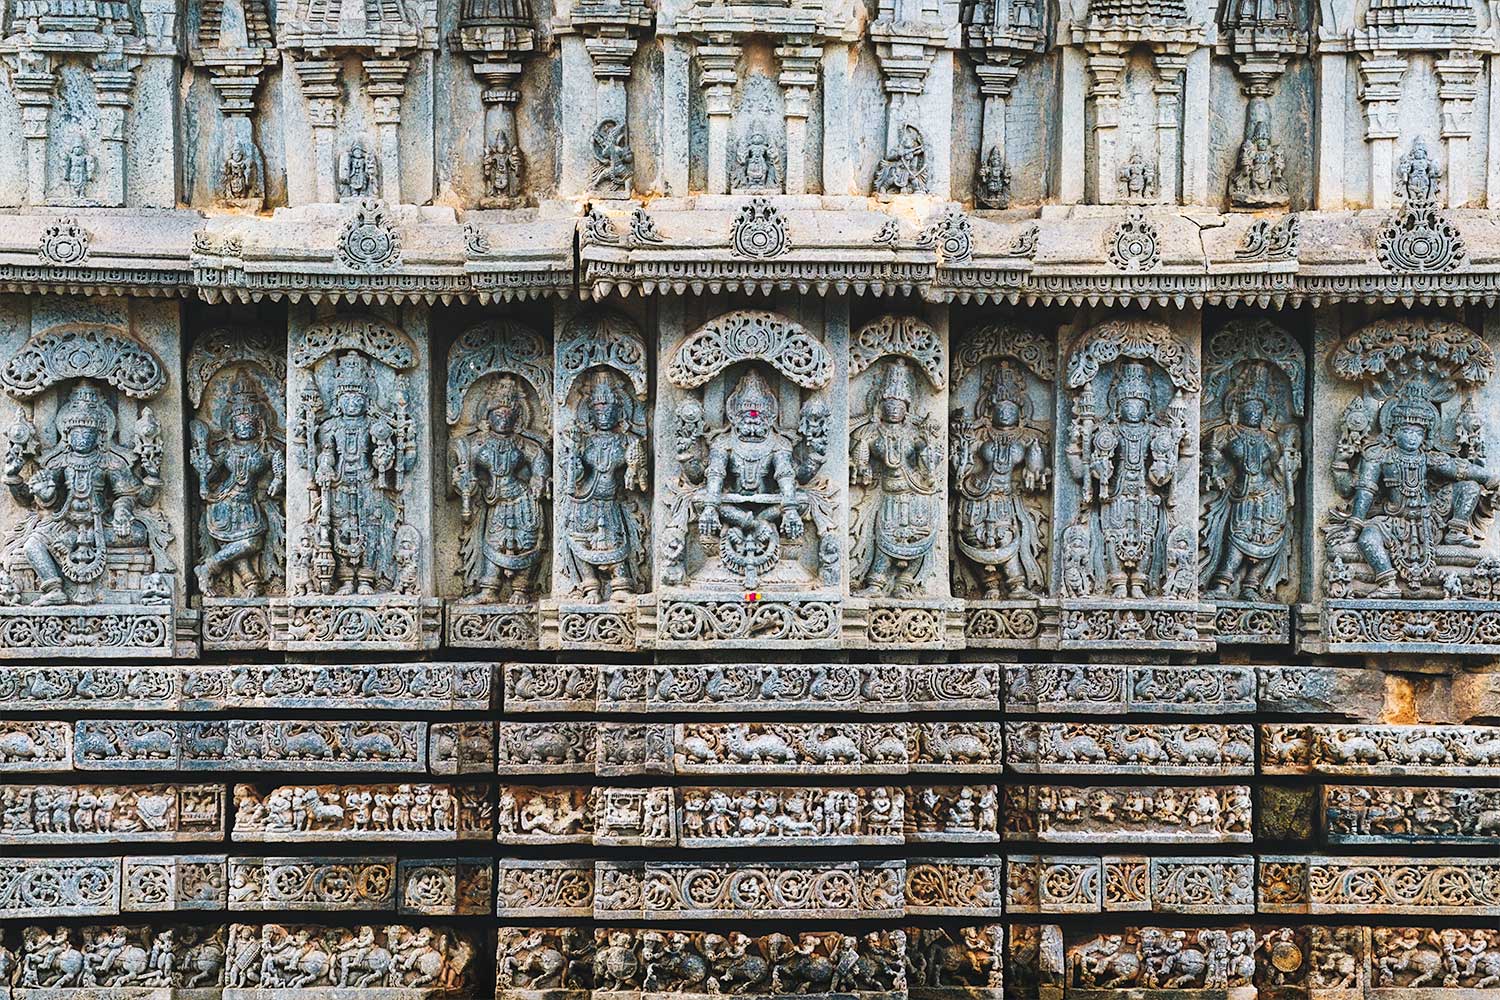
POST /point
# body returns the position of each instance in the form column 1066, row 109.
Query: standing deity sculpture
column 748, row 483
column 1126, row 456
column 79, row 166
column 357, row 172
column 241, row 475
column 1001, row 469
column 358, row 444
column 1252, row 457
column 236, row 446
column 1138, row 179
column 237, row 177
column 1411, row 463
column 603, row 458
column 502, row 168
column 1417, row 176
column 755, row 163
column 500, row 457
column 896, row 456
column 87, row 485
column 993, row 187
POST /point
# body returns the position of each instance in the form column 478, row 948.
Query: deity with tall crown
column 1410, row 493
column 508, row 469
column 241, row 475
column 750, row 488
column 1125, row 463
column 87, row 495
column 898, row 455
column 1250, row 467
column 998, row 459
column 603, row 526
column 362, row 456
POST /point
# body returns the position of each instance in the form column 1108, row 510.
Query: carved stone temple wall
column 783, row 499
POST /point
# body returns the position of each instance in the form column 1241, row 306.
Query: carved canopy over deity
column 750, row 505
column 1252, row 460
column 895, row 455
column 500, row 457
column 1002, row 462
column 83, row 464
column 1411, row 463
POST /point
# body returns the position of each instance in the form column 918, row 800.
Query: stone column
column 1492, row 173
column 611, row 53
column 1458, row 74
column 320, row 86
column 675, row 108
column 34, row 79
column 236, row 84
column 499, row 76
column 799, row 75
column 719, row 59
column 995, row 83
column 838, row 158
column 1333, row 72
column 1105, row 70
column 1169, row 146
column 1072, row 139
column 1381, row 76
column 113, row 86
column 387, row 85
column 1195, row 128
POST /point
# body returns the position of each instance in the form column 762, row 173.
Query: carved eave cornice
column 1341, row 262
column 1118, row 36
column 97, row 252
column 304, row 253
column 794, row 21
column 849, row 249
column 1119, row 256
column 516, row 256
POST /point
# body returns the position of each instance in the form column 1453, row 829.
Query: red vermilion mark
column 752, row 595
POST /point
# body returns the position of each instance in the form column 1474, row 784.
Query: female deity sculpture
column 508, row 468
column 898, row 455
column 241, row 475
column 998, row 459
column 1251, row 461
column 604, row 473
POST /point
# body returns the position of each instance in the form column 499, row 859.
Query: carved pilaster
column 719, row 61
column 387, row 84
column 322, row 89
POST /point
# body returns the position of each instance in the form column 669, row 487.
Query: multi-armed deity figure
column 360, row 459
column 1411, row 493
column 241, row 475
column 898, row 456
column 998, row 459
column 1251, row 460
column 507, row 468
column 755, row 460
column 87, row 495
column 1125, row 463
column 604, row 473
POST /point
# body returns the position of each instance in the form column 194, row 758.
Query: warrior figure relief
column 998, row 459
column 1250, row 465
column 755, row 459
column 240, row 476
column 508, row 468
column 1125, row 464
column 604, row 471
column 87, row 494
column 898, row 456
column 360, row 458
